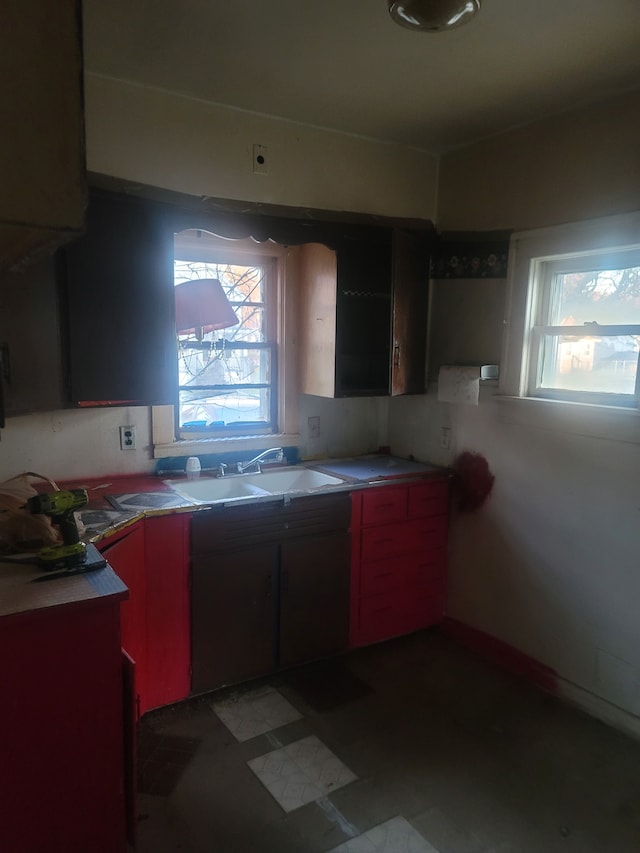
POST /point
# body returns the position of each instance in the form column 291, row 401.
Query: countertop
column 102, row 518
column 21, row 592
column 375, row 467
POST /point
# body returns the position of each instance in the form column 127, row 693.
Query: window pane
column 222, row 366
column 591, row 364
column 244, row 287
column 252, row 324
column 201, row 409
column 603, row 296
column 235, row 356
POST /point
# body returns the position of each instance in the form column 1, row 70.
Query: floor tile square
column 301, row 772
column 393, row 836
column 256, row 712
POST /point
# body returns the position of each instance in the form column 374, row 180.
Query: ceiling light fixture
column 432, row 16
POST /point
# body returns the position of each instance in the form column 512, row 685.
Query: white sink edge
column 259, row 494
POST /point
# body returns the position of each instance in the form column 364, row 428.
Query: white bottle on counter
column 193, row 468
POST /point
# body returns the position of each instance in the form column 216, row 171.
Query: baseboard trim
column 597, row 707
column 507, row 657
column 501, row 654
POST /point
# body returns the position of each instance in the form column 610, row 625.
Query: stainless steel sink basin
column 232, row 488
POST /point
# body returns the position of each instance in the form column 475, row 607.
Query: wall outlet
column 314, row 427
column 260, row 160
column 127, row 438
column 445, row 437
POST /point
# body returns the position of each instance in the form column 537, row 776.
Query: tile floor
column 411, row 746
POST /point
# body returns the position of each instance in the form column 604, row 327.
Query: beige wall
column 185, row 145
column 189, row 146
column 549, row 565
column 579, row 165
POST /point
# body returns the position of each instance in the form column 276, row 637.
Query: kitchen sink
column 212, row 489
column 236, row 487
column 295, row 480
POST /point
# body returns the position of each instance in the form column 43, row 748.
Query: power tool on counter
column 72, row 556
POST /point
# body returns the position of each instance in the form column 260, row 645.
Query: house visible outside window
column 584, row 338
column 228, row 378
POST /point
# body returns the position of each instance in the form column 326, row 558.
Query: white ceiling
column 344, row 65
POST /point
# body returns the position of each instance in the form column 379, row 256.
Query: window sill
column 193, row 447
column 606, row 422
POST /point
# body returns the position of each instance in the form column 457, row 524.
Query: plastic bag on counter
column 20, row 530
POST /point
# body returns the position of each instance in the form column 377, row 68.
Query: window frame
column 168, row 441
column 597, row 238
column 542, row 281
column 197, row 245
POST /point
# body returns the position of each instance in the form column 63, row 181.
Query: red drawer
column 381, row 576
column 427, row 569
column 430, row 498
column 410, row 571
column 427, row 534
column 380, row 617
column 384, row 505
column 393, row 540
column 385, row 542
column 384, row 616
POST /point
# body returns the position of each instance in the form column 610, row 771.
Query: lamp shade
column 432, row 16
column 202, row 306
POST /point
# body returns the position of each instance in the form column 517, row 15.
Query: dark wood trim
column 239, row 210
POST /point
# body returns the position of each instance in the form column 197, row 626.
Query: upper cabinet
column 117, row 305
column 42, row 152
column 30, row 339
column 363, row 301
column 363, row 321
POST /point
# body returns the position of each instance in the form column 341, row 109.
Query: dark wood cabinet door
column 42, row 168
column 30, row 329
column 363, row 321
column 117, row 300
column 410, row 304
column 233, row 616
column 314, row 597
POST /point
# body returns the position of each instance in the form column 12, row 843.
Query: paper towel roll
column 459, row 384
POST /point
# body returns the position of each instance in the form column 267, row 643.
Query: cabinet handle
column 396, row 355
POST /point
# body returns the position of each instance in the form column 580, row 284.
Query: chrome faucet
column 242, row 466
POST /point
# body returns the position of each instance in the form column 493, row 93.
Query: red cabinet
column 399, row 559
column 61, row 716
column 168, row 610
column 151, row 557
column 125, row 553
